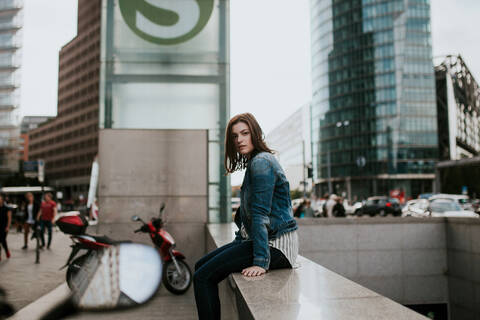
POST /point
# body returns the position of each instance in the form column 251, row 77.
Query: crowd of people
column 329, row 206
column 32, row 215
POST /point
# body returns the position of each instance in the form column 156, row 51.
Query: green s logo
column 166, row 21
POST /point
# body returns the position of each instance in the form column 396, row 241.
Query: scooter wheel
column 73, row 269
column 174, row 282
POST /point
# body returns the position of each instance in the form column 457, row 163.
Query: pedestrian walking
column 338, row 209
column 324, row 201
column 5, row 222
column 329, row 205
column 309, row 212
column 299, row 212
column 267, row 237
column 46, row 216
column 32, row 207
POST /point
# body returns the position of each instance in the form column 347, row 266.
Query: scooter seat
column 107, row 240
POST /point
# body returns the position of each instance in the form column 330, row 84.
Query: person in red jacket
column 46, row 216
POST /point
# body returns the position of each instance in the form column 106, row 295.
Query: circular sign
column 361, row 161
column 166, row 21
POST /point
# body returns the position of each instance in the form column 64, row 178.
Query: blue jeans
column 217, row 265
column 48, row 225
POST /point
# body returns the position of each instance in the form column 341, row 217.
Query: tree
column 295, row 194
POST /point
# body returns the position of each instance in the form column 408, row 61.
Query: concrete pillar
column 140, row 169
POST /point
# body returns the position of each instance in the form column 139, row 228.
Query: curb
column 39, row 307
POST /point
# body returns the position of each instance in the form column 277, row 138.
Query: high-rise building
column 291, row 142
column 11, row 21
column 374, row 125
column 69, row 143
column 28, row 123
column 458, row 108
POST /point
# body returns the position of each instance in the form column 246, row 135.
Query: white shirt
column 287, row 243
column 30, row 219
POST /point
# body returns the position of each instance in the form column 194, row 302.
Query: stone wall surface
column 403, row 259
column 140, row 169
column 409, row 260
column 463, row 254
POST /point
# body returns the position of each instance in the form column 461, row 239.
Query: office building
column 11, row 21
column 69, row 143
column 374, row 116
column 28, row 123
column 291, row 142
column 458, row 108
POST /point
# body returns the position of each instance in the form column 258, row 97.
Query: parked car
column 426, row 195
column 476, row 205
column 380, row 205
column 415, row 208
column 448, row 208
column 352, row 209
column 461, row 199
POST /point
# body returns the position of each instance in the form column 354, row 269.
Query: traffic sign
column 34, row 169
column 30, row 174
column 41, row 170
column 30, row 166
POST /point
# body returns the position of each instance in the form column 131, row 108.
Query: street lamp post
column 339, row 124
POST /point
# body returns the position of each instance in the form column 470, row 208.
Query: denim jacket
column 266, row 208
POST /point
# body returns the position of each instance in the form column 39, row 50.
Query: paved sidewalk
column 164, row 306
column 26, row 281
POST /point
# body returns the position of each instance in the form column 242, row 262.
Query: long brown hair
column 233, row 159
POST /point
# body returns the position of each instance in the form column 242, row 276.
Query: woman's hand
column 253, row 271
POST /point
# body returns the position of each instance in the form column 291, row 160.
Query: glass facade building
column 374, row 126
column 291, row 142
column 165, row 65
column 11, row 21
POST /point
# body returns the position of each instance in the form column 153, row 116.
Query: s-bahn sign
column 166, row 22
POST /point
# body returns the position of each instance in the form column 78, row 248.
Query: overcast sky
column 270, row 52
column 48, row 25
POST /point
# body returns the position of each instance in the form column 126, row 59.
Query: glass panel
column 165, row 65
column 164, row 105
column 214, row 163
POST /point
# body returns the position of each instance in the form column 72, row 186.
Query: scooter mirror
column 119, row 277
column 135, row 218
column 162, row 207
column 111, row 281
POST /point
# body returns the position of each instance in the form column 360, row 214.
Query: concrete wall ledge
column 308, row 292
column 377, row 220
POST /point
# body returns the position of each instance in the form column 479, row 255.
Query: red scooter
column 176, row 276
column 75, row 225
